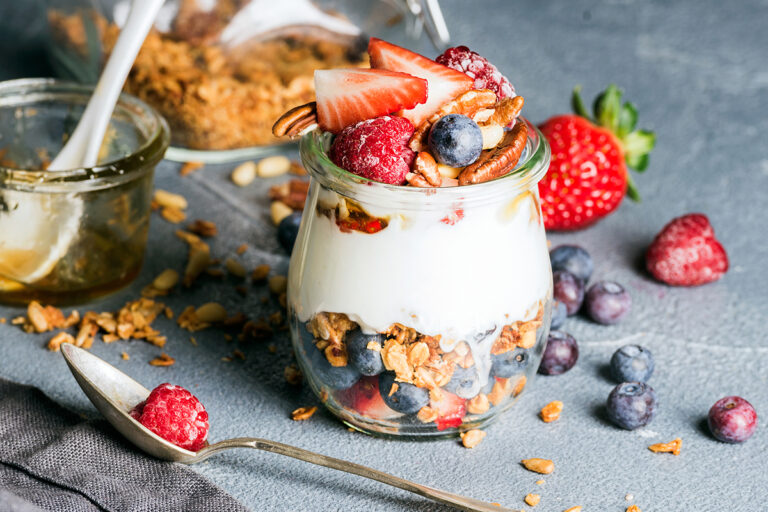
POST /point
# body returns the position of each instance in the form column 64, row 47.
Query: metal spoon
column 114, row 394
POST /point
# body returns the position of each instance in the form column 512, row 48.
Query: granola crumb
column 235, row 268
column 633, row 508
column 278, row 284
column 3, row 320
column 272, row 348
column 241, row 249
column 226, row 359
column 574, row 509
column 162, row 360
column 303, row 413
column 204, row 228
column 532, row 499
column 239, row 354
column 472, row 438
column 190, row 167
column 293, row 375
column 260, row 273
column 542, row 466
column 672, row 447
column 125, row 356
column 62, row 337
column 629, row 497
column 551, row 411
column 192, row 340
column 540, row 482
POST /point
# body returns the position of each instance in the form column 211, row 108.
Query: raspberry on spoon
column 174, row 414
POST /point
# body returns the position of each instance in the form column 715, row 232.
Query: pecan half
column 424, row 165
column 497, row 162
column 506, row 111
column 467, row 104
column 296, row 120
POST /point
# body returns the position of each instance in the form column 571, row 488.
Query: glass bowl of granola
column 69, row 236
column 219, row 71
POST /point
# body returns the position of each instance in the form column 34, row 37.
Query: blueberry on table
column 561, row 354
column 406, row 398
column 559, row 314
column 509, row 363
column 366, row 359
column 632, row 405
column 456, row 140
column 335, row 377
column 607, row 302
column 568, row 289
column 732, row 420
column 465, row 382
column 632, row 363
column 288, row 231
column 572, row 259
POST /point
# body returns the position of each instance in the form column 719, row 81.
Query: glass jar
column 69, row 236
column 222, row 71
column 420, row 311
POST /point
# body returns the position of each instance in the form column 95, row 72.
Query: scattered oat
column 173, row 215
column 244, row 174
column 162, row 360
column 190, row 167
column 199, row 257
column 3, row 320
column 168, row 312
column 279, row 210
column 214, row 272
column 226, row 359
column 540, row 482
column 633, row 508
column 272, row 348
column 543, row 466
column 54, row 344
column 166, row 280
column 235, row 268
column 239, row 354
column 472, row 438
column 278, row 284
column 293, row 375
column 170, row 200
column 303, row 413
column 19, row 320
column 192, row 340
column 204, row 228
column 273, row 166
column 532, row 499
column 257, row 330
column 672, row 447
column 479, row 404
column 573, row 509
column 45, row 318
column 125, row 356
column 241, row 249
column 260, row 273
column 551, row 411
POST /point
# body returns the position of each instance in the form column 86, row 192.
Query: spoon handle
column 447, row 498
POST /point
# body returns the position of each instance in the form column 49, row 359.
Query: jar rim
column 28, row 91
column 531, row 168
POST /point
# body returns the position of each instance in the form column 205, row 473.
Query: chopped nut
column 244, row 174
column 506, row 111
column 303, row 413
column 235, row 268
column 492, row 135
column 532, row 499
column 241, row 249
column 427, row 414
column 211, row 312
column 278, row 284
column 496, row 162
column 170, row 200
column 166, row 280
column 551, row 411
column 540, row 482
column 279, row 210
column 63, row 337
column 190, row 167
column 199, row 257
column 672, row 447
column 633, row 508
column 162, row 360
column 447, row 171
column 273, row 166
column 478, row 404
column 543, row 466
column 292, row 193
column 260, row 273
column 472, row 438
column 125, row 356
column 293, row 375
column 204, row 228
column 573, row 509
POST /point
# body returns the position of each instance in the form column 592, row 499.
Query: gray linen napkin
column 51, row 459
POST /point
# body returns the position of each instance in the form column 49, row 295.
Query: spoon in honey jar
column 40, row 228
column 114, row 394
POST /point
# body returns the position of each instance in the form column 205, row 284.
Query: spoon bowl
column 114, row 394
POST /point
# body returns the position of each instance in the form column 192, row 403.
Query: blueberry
column 732, row 420
column 632, row 363
column 559, row 314
column 407, row 399
column 632, row 405
column 573, row 259
column 367, row 361
column 288, row 230
column 561, row 354
column 335, row 377
column 456, row 140
column 465, row 382
column 569, row 290
column 510, row 363
column 607, row 302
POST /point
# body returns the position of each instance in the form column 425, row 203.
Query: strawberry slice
column 450, row 408
column 364, row 398
column 444, row 83
column 348, row 96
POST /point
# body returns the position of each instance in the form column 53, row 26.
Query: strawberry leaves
column 621, row 120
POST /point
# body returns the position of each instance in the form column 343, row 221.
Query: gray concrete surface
column 697, row 72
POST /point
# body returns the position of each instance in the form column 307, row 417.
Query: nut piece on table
column 166, row 280
column 235, row 268
column 211, row 312
column 244, row 174
column 672, row 447
column 63, row 337
column 303, row 413
column 273, row 166
column 278, row 284
column 542, row 466
column 162, row 360
column 279, row 210
column 532, row 499
column 472, row 438
column 551, row 411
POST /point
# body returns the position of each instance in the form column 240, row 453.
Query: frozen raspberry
column 686, row 253
column 376, row 149
column 475, row 66
column 174, row 414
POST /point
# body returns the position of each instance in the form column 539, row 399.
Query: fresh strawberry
column 587, row 176
column 348, row 96
column 444, row 83
column 450, row 408
column 364, row 398
column 686, row 252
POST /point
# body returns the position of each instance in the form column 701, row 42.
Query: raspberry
column 376, row 149
column 174, row 414
column 686, row 253
column 475, row 66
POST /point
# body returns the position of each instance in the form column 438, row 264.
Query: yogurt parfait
column 420, row 285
